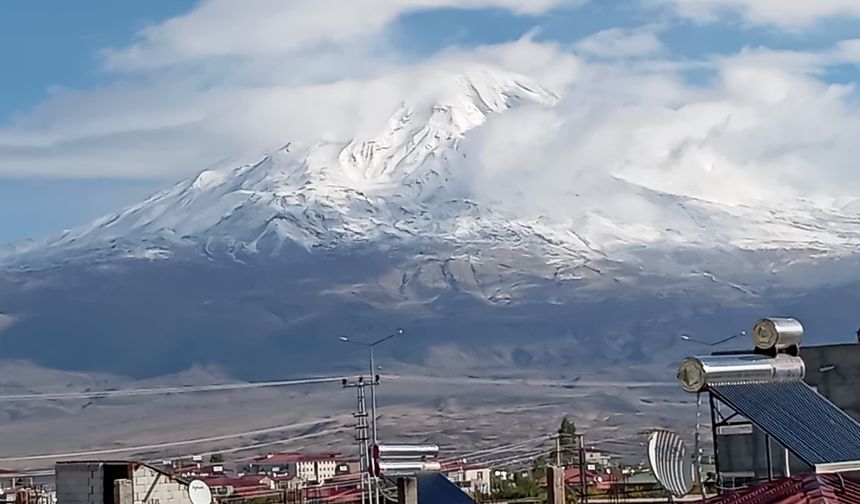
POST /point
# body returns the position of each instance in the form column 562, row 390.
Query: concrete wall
column 840, row 384
column 80, row 483
column 152, row 487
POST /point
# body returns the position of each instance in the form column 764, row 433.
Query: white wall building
column 596, row 457
column 117, row 483
column 471, row 479
column 310, row 468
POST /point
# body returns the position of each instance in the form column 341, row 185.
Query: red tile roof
column 348, row 478
column 244, row 481
column 343, row 496
column 803, row 489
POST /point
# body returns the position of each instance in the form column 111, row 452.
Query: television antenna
column 670, row 462
column 199, row 492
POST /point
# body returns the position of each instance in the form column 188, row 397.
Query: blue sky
column 54, row 44
column 107, row 101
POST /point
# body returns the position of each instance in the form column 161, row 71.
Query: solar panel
column 434, row 488
column 801, row 420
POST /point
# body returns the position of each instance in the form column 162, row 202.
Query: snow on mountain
column 405, row 185
column 254, row 267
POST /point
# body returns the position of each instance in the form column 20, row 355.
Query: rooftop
column 803, row 489
column 286, row 458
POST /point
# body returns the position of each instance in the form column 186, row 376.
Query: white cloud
column 770, row 126
column 792, row 14
column 621, row 43
column 230, row 80
column 266, row 28
column 758, row 132
column 169, row 130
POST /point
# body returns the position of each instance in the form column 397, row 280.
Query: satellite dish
column 670, row 462
column 199, row 492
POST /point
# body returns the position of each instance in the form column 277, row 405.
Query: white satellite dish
column 670, row 462
column 199, row 492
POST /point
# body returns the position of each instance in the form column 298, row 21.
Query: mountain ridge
column 255, row 267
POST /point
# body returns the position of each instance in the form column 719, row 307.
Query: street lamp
column 687, row 337
column 373, row 378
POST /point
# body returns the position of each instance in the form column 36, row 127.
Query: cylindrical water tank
column 406, row 468
column 779, row 333
column 697, row 373
column 404, row 451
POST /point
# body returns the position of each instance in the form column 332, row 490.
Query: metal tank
column 777, row 333
column 698, row 373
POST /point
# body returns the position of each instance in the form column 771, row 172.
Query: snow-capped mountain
column 395, row 184
column 406, row 185
column 369, row 232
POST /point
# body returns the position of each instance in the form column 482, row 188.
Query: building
column 595, row 457
column 199, row 471
column 471, row 478
column 248, row 485
column 593, row 479
column 834, row 370
column 640, row 484
column 315, row 468
column 118, row 482
column 756, row 427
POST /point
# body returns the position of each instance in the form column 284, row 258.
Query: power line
column 170, row 444
column 514, row 459
column 509, row 447
column 167, row 390
column 301, row 437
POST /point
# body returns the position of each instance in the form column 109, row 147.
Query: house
column 118, row 482
column 310, row 468
column 200, row 471
column 593, row 479
column 226, row 486
column 471, row 478
column 350, row 480
column 287, row 482
column 630, row 483
column 595, row 457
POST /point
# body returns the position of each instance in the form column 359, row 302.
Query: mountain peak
column 358, row 189
column 400, row 186
column 415, row 133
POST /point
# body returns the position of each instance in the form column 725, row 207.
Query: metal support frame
column 769, row 457
column 361, row 436
column 719, row 420
column 714, row 425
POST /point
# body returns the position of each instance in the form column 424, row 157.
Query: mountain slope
column 256, row 267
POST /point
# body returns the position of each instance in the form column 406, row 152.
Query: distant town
column 773, row 422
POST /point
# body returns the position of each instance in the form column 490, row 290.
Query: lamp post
column 374, row 382
column 687, row 337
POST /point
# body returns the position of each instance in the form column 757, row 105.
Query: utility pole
column 583, row 483
column 555, row 485
column 558, row 450
column 361, row 436
column 374, row 382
